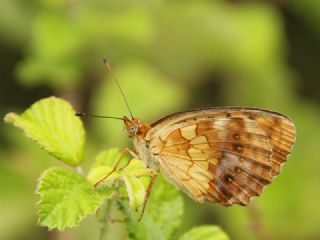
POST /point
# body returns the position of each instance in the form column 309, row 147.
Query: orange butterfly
column 225, row 155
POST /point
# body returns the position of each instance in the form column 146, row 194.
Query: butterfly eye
column 132, row 130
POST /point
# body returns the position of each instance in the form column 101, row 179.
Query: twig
column 105, row 220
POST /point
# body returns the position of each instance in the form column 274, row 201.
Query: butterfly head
column 131, row 126
column 134, row 127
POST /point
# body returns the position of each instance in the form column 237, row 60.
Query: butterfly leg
column 133, row 154
column 124, row 152
column 154, row 177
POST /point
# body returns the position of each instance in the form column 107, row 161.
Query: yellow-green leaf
column 66, row 198
column 98, row 173
column 205, row 232
column 130, row 174
column 106, row 161
column 52, row 123
column 135, row 189
column 136, row 168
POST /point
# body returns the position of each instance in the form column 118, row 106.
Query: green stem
column 104, row 221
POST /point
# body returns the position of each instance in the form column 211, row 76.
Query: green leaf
column 136, row 168
column 66, row 198
column 109, row 158
column 163, row 213
column 105, row 162
column 135, row 189
column 98, row 173
column 130, row 174
column 52, row 123
column 205, row 232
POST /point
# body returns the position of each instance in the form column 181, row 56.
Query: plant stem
column 105, row 220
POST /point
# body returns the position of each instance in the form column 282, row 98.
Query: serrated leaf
column 130, row 174
column 109, row 158
column 166, row 209
column 163, row 213
column 66, row 198
column 98, row 173
column 136, row 168
column 52, row 123
column 105, row 162
column 135, row 189
column 205, row 232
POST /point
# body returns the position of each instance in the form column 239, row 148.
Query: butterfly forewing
column 225, row 155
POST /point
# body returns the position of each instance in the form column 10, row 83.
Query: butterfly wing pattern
column 223, row 155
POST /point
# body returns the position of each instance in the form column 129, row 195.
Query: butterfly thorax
column 138, row 130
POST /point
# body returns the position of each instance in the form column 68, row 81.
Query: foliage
column 163, row 215
column 169, row 56
column 52, row 124
column 66, row 196
column 205, row 232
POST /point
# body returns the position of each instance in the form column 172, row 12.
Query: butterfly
column 225, row 155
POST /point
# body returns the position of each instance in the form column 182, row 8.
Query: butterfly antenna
column 108, row 66
column 81, row 114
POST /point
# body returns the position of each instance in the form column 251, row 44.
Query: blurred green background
column 169, row 56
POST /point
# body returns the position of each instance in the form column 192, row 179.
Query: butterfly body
column 225, row 155
column 137, row 131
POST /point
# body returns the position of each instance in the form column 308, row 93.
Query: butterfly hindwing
column 281, row 134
